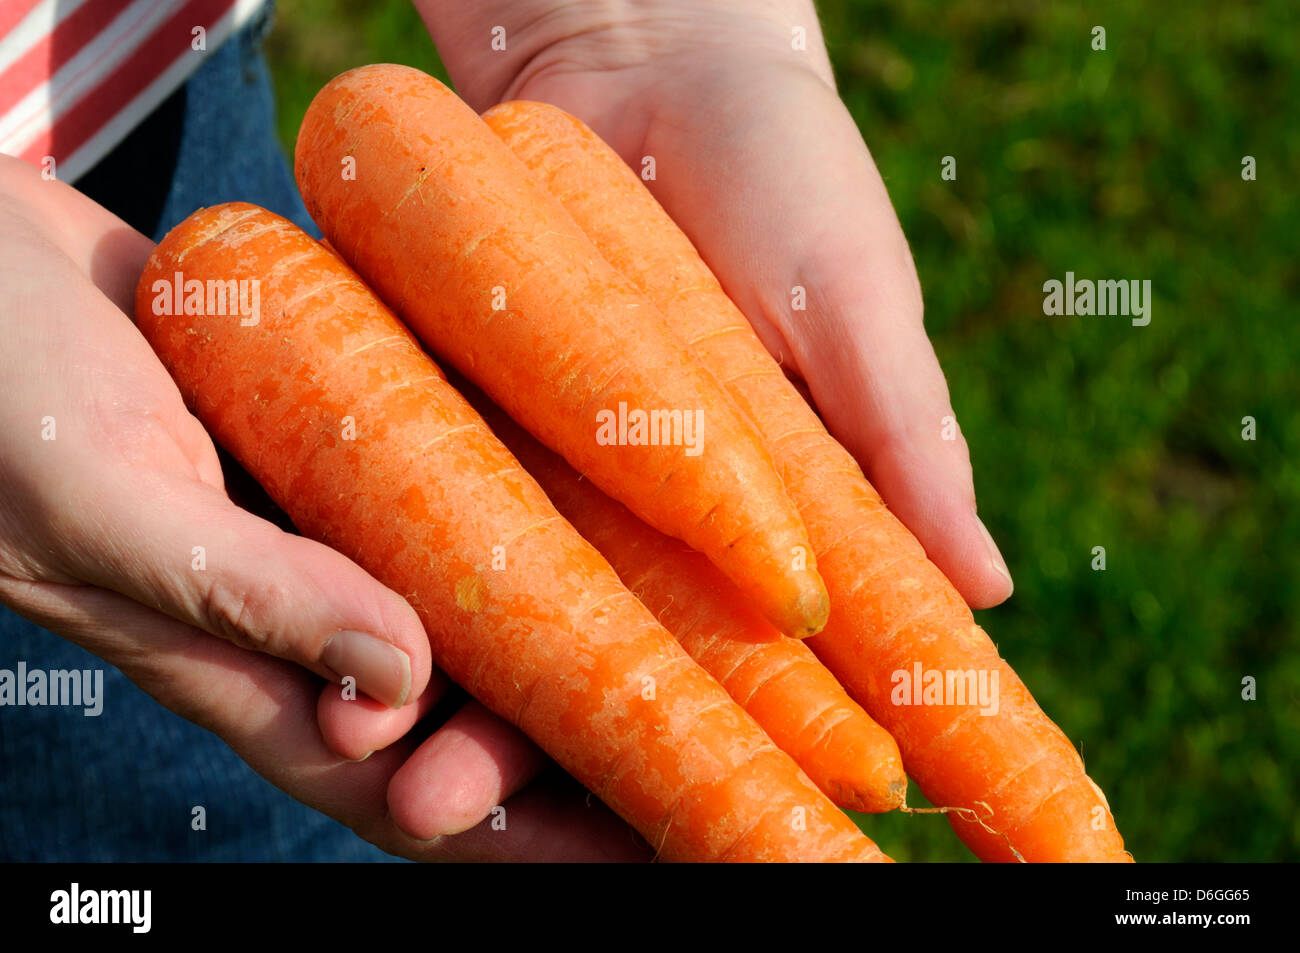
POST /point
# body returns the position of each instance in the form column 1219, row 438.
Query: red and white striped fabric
column 76, row 76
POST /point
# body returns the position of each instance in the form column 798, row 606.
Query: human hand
column 108, row 485
column 264, row 709
column 760, row 163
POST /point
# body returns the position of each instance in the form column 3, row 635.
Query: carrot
column 778, row 680
column 330, row 403
column 417, row 194
column 893, row 609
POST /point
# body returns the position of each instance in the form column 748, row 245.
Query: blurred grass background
column 1085, row 431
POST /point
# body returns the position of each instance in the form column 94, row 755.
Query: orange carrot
column 417, row 194
column 894, row 613
column 777, row 679
column 330, row 403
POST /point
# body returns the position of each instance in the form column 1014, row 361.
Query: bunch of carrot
column 635, row 600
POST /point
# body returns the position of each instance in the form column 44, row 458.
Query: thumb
column 182, row 547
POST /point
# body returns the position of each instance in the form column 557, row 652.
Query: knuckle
column 247, row 614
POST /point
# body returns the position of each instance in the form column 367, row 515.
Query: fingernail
column 996, row 561
column 381, row 670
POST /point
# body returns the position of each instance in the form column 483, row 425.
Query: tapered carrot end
column 842, row 749
column 807, row 614
column 895, row 791
column 864, row 771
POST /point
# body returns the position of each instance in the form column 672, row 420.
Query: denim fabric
column 121, row 786
column 229, row 151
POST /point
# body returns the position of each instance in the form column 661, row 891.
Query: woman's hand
column 116, row 532
column 759, row 162
column 110, row 486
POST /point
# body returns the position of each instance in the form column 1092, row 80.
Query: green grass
column 1086, row 431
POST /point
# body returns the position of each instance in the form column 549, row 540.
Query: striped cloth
column 76, row 76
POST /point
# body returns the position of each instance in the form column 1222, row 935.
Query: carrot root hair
column 969, row 814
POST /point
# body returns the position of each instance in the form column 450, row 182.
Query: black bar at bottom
column 387, row 904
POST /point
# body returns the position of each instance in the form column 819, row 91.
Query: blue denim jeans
column 121, row 786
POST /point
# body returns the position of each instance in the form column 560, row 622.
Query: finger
column 262, row 707
column 814, row 216
column 460, row 776
column 354, row 726
column 103, row 247
column 246, row 698
column 181, row 546
column 553, row 820
column 888, row 472
column 883, row 395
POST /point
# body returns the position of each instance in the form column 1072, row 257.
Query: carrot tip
column 898, row 792
column 811, row 613
column 869, row 798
